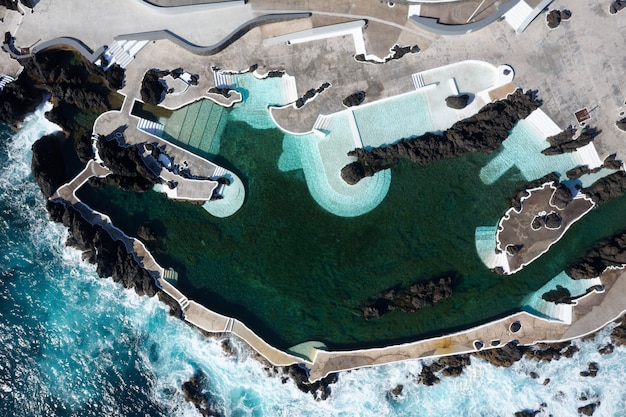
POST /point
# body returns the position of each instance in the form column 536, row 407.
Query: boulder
column 457, row 102
column 588, row 409
column 153, row 88
column 354, row 99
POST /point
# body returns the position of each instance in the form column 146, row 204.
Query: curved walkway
column 432, row 24
column 219, row 46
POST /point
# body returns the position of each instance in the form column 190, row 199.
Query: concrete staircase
column 518, row 14
column 418, row 80
column 148, row 126
column 4, row 80
column 224, row 80
column 123, row 52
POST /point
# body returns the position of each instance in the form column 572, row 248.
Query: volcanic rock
column 410, row 299
column 320, row 390
column 153, row 88
column 354, row 99
column 457, row 102
column 583, row 139
column 483, row 132
column 129, row 171
column 561, row 197
column 616, row 6
column 607, row 188
column 588, row 409
column 560, row 295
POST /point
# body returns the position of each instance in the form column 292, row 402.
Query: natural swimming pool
column 295, row 272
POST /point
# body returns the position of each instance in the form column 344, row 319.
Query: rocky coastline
column 483, row 132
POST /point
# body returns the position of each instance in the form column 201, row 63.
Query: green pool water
column 294, row 272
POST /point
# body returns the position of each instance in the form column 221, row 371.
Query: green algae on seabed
column 294, row 272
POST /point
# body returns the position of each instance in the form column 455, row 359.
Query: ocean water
column 76, row 345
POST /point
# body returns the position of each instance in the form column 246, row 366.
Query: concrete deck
column 515, row 230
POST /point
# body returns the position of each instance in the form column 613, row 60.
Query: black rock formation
column 483, row 132
column 554, row 18
column 194, row 392
column 320, row 390
column 445, row 366
column 457, row 102
column 110, row 256
column 607, row 254
column 607, row 188
column 560, row 295
column 47, row 163
column 563, row 146
column 591, row 371
column 153, row 88
column 310, row 94
column 512, row 352
column 588, row 409
column 411, row 299
column 397, row 52
column 75, row 84
column 561, row 197
column 611, row 162
column 223, row 91
column 616, row 6
column 354, row 99
column 129, row 171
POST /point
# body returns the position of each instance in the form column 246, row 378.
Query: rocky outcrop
column 457, row 102
column 311, row 94
column 483, row 132
column 445, row 366
column 110, row 256
column 47, row 164
column 588, row 409
column 153, row 88
column 354, row 99
column 195, row 393
column 560, row 295
column 129, row 172
column 591, row 371
column 223, row 91
column 561, row 197
column 611, row 253
column 397, row 52
column 512, row 352
column 554, row 18
column 562, row 145
column 516, row 201
column 320, row 390
column 616, row 6
column 411, row 299
column 607, row 188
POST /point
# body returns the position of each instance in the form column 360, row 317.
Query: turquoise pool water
column 387, row 121
column 522, row 150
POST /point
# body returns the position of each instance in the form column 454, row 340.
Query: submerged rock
column 588, row 409
column 411, row 299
